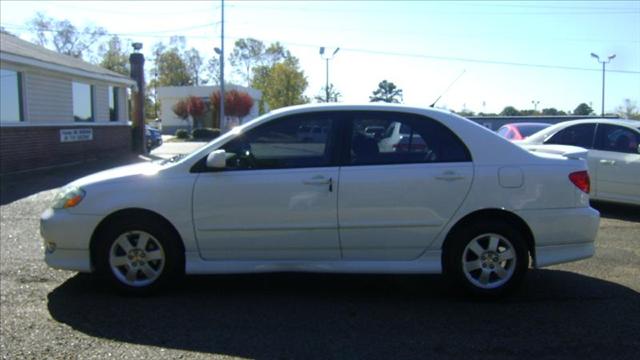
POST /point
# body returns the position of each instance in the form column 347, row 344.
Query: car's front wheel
column 139, row 256
column 487, row 258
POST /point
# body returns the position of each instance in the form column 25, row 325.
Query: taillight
column 581, row 180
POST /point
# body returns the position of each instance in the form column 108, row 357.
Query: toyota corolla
column 455, row 199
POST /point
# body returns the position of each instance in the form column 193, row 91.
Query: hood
column 144, row 169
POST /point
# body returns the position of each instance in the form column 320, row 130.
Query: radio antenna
column 449, row 87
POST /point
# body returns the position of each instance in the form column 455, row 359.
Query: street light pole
column 609, row 58
column 535, row 104
column 326, row 87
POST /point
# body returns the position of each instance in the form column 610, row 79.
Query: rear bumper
column 562, row 235
column 551, row 255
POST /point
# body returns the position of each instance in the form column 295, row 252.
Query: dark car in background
column 520, row 131
column 153, row 137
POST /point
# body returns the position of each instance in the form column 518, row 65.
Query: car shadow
column 555, row 314
column 617, row 211
column 17, row 186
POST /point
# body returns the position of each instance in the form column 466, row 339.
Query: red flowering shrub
column 181, row 109
column 196, row 107
column 236, row 103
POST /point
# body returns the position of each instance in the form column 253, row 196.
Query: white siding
column 123, row 106
column 101, row 102
column 47, row 98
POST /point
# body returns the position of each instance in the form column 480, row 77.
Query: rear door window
column 617, row 138
column 420, row 140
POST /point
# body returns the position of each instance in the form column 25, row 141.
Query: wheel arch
column 491, row 214
column 125, row 214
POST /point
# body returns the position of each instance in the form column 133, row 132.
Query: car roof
column 561, row 125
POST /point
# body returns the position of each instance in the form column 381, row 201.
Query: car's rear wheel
column 139, row 256
column 487, row 258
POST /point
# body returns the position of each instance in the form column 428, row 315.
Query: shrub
column 181, row 110
column 195, row 106
column 182, row 134
column 205, row 133
column 236, row 103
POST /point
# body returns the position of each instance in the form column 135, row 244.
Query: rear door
column 393, row 201
column 616, row 156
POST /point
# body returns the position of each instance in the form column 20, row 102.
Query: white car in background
column 260, row 199
column 614, row 154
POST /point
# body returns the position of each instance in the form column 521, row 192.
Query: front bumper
column 66, row 238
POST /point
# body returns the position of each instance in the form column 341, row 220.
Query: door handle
column 320, row 180
column 449, row 176
column 607, row 162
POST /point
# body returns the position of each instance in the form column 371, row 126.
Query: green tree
column 510, row 111
column 282, row 84
column 465, row 112
column 583, row 109
column 529, row 112
column 64, row 37
column 386, row 92
column 628, row 110
column 331, row 93
column 114, row 58
column 171, row 69
column 550, row 111
column 249, row 54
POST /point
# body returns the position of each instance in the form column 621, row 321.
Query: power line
column 412, row 55
column 147, row 11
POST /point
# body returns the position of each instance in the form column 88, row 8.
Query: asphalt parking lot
column 588, row 309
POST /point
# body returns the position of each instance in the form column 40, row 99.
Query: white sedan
column 614, row 154
column 260, row 199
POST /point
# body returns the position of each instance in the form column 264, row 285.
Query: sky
column 524, row 54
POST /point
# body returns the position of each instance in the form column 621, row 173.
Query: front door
column 276, row 199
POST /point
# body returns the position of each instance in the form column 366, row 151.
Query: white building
column 168, row 96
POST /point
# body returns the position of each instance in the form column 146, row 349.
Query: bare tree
column 64, row 36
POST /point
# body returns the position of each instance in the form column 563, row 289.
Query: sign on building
column 71, row 135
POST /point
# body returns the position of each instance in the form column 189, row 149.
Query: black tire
column 484, row 233
column 161, row 241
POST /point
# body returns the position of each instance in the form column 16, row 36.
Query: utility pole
column 136, row 60
column 609, row 58
column 222, row 122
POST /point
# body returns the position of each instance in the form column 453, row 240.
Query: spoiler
column 568, row 151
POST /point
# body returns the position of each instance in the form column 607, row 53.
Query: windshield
column 530, row 129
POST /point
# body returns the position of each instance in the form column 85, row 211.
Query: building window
column 11, row 99
column 113, row 103
column 82, row 102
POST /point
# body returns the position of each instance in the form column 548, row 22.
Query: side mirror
column 217, row 159
column 638, row 149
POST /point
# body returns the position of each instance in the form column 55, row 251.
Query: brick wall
column 33, row 147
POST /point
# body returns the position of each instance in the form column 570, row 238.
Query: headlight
column 68, row 197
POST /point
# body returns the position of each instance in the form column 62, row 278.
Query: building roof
column 24, row 51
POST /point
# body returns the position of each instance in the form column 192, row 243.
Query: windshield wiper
column 173, row 159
